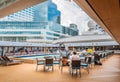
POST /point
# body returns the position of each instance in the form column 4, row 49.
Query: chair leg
column 88, row 69
column 76, row 71
column 52, row 68
column 90, row 65
column 61, row 68
column 44, row 68
column 36, row 67
column 59, row 64
column 80, row 72
column 72, row 72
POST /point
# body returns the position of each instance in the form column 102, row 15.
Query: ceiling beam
column 90, row 9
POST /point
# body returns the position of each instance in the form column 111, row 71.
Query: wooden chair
column 39, row 63
column 48, row 63
column 63, row 62
column 75, row 65
column 6, row 61
column 86, row 64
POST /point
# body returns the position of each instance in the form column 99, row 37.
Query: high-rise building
column 39, row 23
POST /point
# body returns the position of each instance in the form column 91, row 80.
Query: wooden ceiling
column 19, row 5
column 106, row 13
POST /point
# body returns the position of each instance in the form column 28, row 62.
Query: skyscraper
column 39, row 23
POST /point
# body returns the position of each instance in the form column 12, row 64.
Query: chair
column 63, row 62
column 76, row 65
column 86, row 64
column 89, row 61
column 93, row 61
column 39, row 63
column 48, row 63
column 97, row 59
column 57, row 62
column 6, row 61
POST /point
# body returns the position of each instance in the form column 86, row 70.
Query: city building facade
column 39, row 23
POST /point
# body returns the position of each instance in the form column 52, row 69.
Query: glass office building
column 39, row 23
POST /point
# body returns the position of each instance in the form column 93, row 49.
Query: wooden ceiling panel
column 106, row 14
column 109, row 12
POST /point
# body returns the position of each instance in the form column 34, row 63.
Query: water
column 40, row 56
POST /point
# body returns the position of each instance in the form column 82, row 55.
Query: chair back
column 96, row 57
column 49, row 61
column 64, row 60
column 76, row 63
column 101, row 55
column 4, row 58
column 104, row 55
column 65, row 57
column 88, row 60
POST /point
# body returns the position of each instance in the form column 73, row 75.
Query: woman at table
column 74, row 56
column 97, row 59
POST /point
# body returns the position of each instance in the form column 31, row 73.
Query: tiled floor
column 108, row 72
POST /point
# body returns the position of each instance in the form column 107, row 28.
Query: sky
column 72, row 13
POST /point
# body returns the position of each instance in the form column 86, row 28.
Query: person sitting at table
column 97, row 59
column 75, row 56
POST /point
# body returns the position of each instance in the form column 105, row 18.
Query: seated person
column 75, row 56
column 97, row 59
